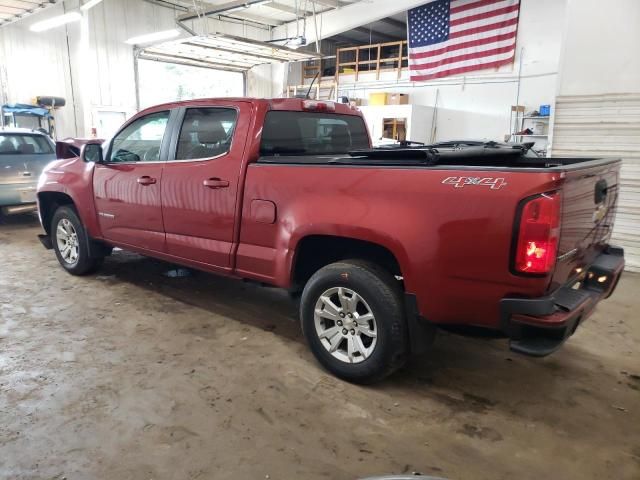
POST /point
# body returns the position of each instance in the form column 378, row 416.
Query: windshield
column 310, row 133
column 24, row 144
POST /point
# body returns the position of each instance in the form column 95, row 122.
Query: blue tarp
column 25, row 109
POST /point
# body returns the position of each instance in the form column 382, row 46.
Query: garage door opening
column 160, row 82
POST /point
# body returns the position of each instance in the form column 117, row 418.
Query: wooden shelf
column 372, row 58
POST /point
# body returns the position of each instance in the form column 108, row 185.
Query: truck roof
column 290, row 104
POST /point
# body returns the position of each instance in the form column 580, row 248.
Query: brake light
column 315, row 106
column 538, row 234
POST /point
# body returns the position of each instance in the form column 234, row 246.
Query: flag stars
column 429, row 24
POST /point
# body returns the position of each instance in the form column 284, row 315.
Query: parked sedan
column 23, row 155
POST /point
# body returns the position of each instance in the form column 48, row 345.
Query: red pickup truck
column 385, row 245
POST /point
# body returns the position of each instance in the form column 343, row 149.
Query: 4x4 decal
column 491, row 182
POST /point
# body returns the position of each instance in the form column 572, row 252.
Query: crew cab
column 384, row 245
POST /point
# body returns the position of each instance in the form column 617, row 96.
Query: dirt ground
column 129, row 374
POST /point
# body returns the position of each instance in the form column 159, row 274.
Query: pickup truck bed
column 385, row 245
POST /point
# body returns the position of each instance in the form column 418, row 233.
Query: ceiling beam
column 168, row 4
column 226, row 8
column 28, row 7
column 332, row 3
column 240, row 14
column 348, row 17
column 370, row 32
column 394, row 23
column 346, row 39
column 287, row 9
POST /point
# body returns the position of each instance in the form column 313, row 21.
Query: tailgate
column 589, row 200
column 23, row 168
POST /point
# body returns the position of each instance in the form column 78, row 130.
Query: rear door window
column 310, row 133
column 21, row 144
column 206, row 133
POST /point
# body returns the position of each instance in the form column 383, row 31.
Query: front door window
column 141, row 140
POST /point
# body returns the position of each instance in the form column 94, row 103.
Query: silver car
column 23, row 155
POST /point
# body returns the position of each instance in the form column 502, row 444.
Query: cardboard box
column 377, row 99
column 397, row 99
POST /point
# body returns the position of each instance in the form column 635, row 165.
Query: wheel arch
column 315, row 250
column 48, row 203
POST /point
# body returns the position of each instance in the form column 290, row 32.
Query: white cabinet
column 417, row 121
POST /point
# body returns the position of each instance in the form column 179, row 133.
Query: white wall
column 266, row 81
column 477, row 105
column 598, row 102
column 88, row 62
column 37, row 65
column 100, row 66
column 418, row 121
column 600, row 48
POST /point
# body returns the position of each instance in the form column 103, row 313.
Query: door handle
column 146, row 180
column 215, row 183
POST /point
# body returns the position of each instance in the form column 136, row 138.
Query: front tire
column 71, row 243
column 353, row 318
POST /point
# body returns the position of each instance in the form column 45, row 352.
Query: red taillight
column 538, row 234
column 315, row 106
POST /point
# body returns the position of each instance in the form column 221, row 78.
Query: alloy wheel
column 67, row 240
column 345, row 325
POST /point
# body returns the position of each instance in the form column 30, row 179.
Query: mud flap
column 421, row 332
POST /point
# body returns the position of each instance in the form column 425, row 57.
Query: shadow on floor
column 270, row 309
column 455, row 363
column 25, row 220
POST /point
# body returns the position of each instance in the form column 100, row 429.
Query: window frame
column 164, row 143
column 319, row 115
column 179, row 123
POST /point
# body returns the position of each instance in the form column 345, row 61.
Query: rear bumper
column 17, row 193
column 18, row 198
column 539, row 326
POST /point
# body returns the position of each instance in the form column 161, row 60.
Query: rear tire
column 353, row 318
column 71, row 243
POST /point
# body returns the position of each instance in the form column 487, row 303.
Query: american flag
column 450, row 37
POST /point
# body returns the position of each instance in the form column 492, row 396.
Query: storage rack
column 519, row 121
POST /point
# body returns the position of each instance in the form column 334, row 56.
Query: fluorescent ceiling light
column 90, row 4
column 55, row 22
column 153, row 37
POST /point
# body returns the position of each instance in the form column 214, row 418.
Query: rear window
column 20, row 144
column 310, row 133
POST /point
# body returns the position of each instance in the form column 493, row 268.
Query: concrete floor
column 129, row 374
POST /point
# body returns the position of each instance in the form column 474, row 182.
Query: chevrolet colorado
column 385, row 245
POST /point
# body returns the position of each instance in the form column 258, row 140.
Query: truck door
column 201, row 181
column 127, row 185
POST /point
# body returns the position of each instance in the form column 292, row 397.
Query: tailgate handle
column 601, row 191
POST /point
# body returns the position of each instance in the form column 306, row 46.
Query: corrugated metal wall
column 37, row 65
column 607, row 125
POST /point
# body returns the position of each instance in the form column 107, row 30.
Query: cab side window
column 206, row 133
column 141, row 140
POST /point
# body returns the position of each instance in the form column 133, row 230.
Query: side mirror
column 92, row 152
